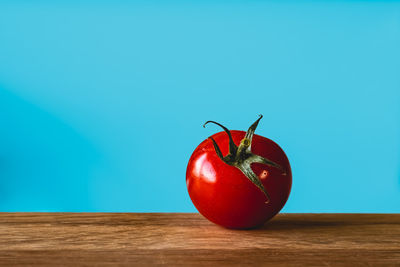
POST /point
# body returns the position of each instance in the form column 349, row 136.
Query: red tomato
column 244, row 189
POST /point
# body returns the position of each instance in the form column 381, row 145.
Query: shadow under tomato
column 300, row 224
column 321, row 221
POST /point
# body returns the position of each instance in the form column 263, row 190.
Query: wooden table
column 177, row 238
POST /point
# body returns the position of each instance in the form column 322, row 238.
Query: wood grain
column 88, row 239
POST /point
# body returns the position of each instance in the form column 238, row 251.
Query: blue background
column 102, row 102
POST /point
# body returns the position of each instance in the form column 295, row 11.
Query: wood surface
column 88, row 239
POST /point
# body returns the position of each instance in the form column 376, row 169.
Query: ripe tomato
column 243, row 189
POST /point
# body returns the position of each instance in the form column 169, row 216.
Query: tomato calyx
column 241, row 156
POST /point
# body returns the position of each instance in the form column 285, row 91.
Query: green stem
column 241, row 157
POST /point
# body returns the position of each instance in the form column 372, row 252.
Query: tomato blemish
column 264, row 174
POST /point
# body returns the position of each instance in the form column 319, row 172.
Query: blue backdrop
column 102, row 102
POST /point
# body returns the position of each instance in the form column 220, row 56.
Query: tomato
column 238, row 186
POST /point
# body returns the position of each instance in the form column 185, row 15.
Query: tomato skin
column 225, row 196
